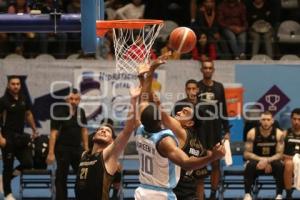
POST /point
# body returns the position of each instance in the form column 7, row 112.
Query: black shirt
column 213, row 108
column 264, row 13
column 291, row 145
column 69, row 129
column 13, row 113
column 188, row 181
column 93, row 181
column 265, row 146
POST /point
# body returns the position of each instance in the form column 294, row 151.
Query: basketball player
column 191, row 182
column 292, row 146
column 97, row 167
column 158, row 149
column 263, row 152
column 211, row 93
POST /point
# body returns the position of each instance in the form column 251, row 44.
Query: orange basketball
column 182, row 39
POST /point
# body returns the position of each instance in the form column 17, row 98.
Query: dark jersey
column 93, row 181
column 291, row 143
column 265, row 146
column 187, row 184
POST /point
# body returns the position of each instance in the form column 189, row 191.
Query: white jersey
column 155, row 170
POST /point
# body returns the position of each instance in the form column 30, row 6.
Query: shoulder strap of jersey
column 162, row 134
column 139, row 130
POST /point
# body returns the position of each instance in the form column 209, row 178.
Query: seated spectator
column 134, row 10
column 263, row 151
column 203, row 49
column 206, row 20
column 111, row 6
column 232, row 18
column 20, row 6
column 260, row 19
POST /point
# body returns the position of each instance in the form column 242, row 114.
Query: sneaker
column 9, row 197
column 247, row 197
column 279, row 197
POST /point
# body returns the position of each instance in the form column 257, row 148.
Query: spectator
column 155, row 9
column 14, row 110
column 203, row 49
column 260, row 19
column 180, row 11
column 61, row 38
column 20, row 6
column 134, row 10
column 111, row 6
column 232, row 18
column 263, row 151
column 206, row 21
column 67, row 135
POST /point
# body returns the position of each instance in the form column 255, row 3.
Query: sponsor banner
column 272, row 87
column 105, row 93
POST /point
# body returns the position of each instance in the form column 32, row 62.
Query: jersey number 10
column 147, row 164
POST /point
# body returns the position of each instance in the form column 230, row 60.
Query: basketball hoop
column 133, row 40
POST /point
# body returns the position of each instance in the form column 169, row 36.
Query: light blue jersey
column 156, row 171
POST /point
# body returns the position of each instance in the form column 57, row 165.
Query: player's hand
column 143, row 69
column 160, row 60
column 135, row 92
column 262, row 164
column 268, row 169
column 227, row 136
column 2, row 141
column 50, row 158
column 218, row 152
column 208, row 153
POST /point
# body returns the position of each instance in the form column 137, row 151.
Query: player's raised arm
column 168, row 148
column 112, row 152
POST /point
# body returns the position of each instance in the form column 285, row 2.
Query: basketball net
column 133, row 46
